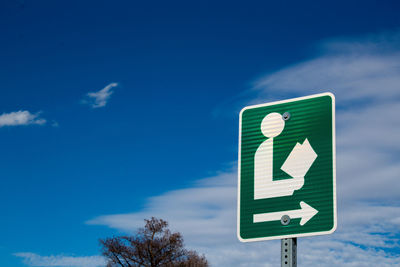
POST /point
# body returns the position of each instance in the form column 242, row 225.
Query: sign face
column 287, row 169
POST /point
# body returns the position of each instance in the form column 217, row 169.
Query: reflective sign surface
column 287, row 183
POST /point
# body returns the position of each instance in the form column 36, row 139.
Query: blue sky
column 115, row 111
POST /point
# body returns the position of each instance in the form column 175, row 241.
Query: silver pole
column 289, row 252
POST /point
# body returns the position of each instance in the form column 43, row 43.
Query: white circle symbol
column 272, row 125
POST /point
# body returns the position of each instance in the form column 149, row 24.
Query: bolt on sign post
column 287, row 169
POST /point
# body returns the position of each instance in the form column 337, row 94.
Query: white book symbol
column 299, row 160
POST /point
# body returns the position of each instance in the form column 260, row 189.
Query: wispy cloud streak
column 33, row 259
column 22, row 117
column 100, row 98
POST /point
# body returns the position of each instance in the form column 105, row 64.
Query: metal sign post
column 289, row 252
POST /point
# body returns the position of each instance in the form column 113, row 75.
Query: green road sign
column 287, row 169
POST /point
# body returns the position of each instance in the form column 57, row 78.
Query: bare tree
column 154, row 245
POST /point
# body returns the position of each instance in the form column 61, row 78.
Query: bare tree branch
column 152, row 246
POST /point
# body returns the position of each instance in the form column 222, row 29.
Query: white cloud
column 209, row 208
column 355, row 71
column 364, row 75
column 22, row 117
column 33, row 259
column 100, row 98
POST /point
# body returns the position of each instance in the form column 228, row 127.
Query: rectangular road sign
column 287, row 169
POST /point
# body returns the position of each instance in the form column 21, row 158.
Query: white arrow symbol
column 306, row 212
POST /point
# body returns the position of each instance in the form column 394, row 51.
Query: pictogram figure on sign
column 296, row 165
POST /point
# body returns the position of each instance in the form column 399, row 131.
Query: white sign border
column 332, row 96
